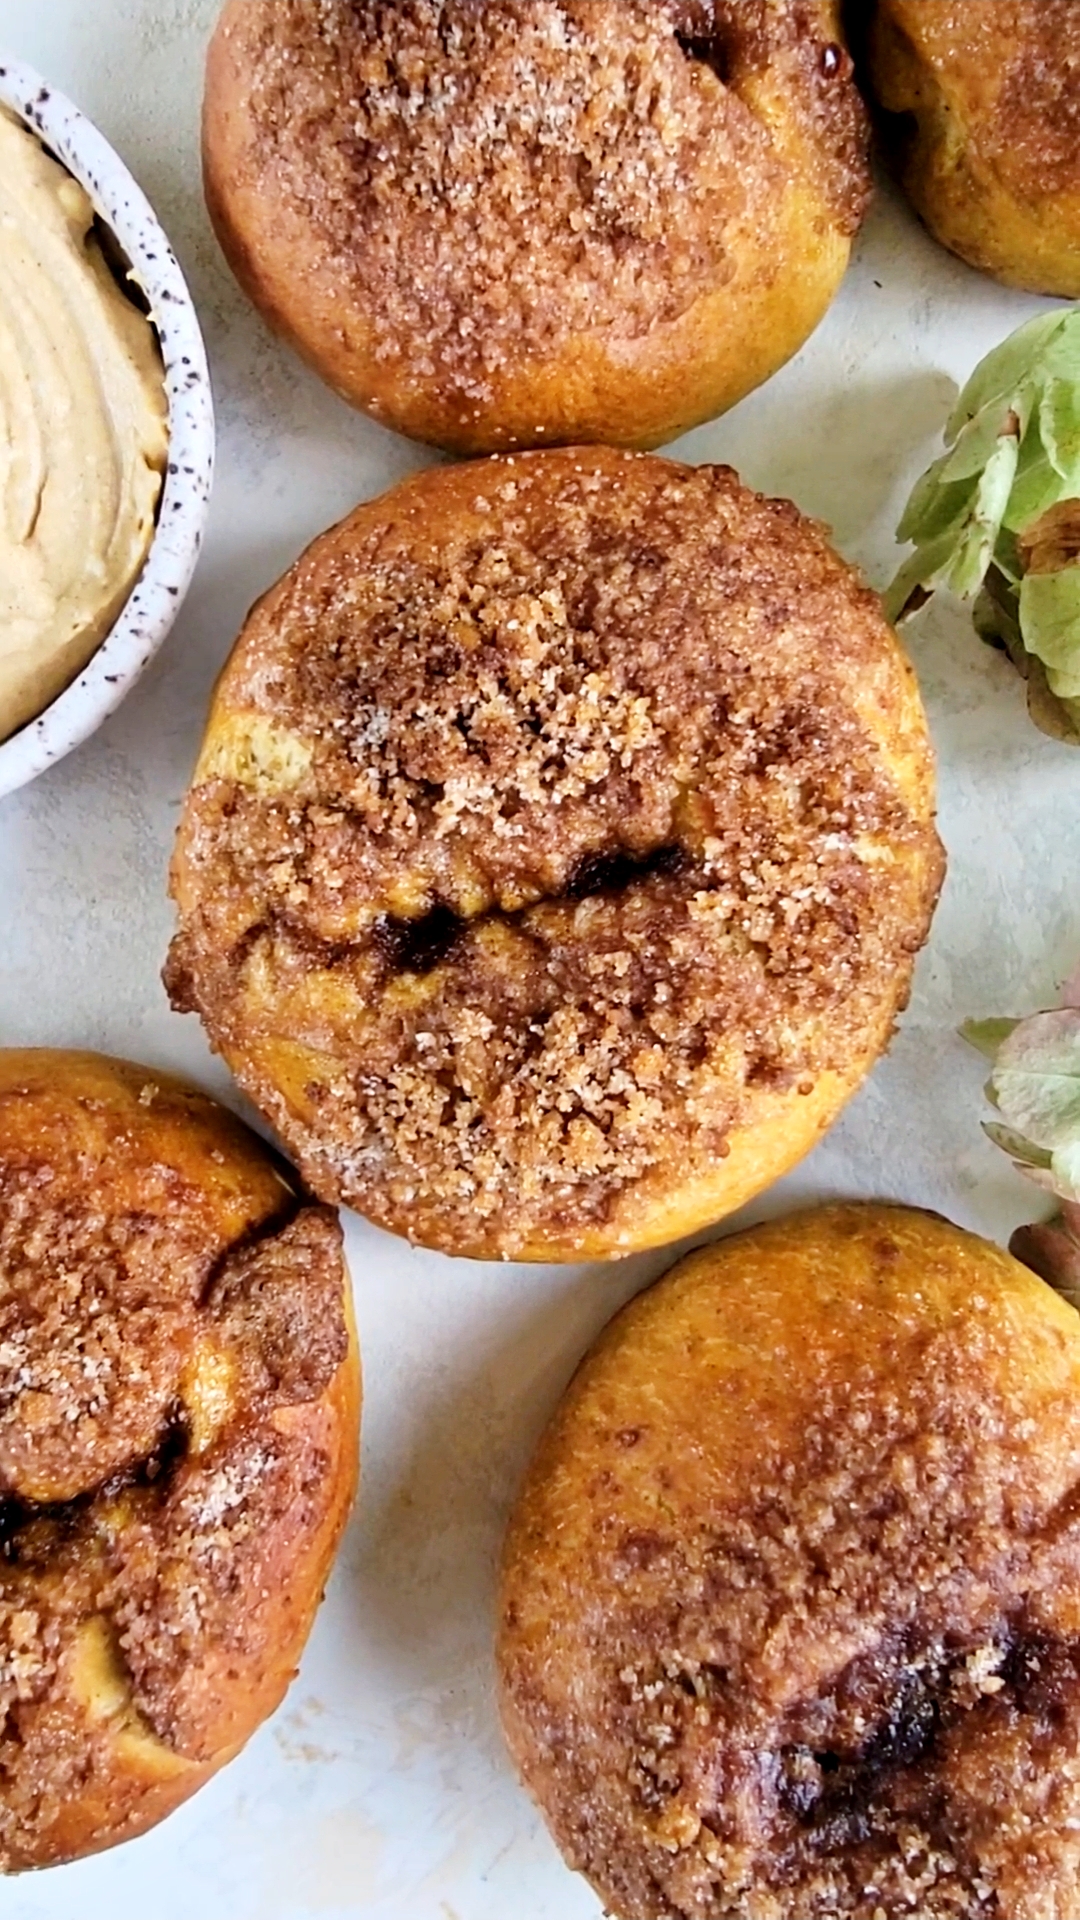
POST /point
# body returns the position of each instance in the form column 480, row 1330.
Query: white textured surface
column 381, row 1792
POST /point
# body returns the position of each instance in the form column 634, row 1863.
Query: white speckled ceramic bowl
column 159, row 592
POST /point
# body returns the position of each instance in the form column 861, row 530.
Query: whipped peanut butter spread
column 83, row 432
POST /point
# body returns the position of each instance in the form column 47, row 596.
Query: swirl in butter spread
column 83, row 432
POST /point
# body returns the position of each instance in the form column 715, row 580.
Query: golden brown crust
column 179, row 1406
column 558, row 851
column 990, row 152
column 536, row 220
column 790, row 1611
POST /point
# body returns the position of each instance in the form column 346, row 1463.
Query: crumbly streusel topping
column 492, row 179
column 585, row 843
column 98, row 1312
column 119, row 1511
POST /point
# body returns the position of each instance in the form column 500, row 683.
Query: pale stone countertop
column 381, row 1790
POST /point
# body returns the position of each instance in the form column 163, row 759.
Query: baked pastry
column 986, row 99
column 179, row 1406
column 790, row 1612
column 496, row 223
column 558, row 851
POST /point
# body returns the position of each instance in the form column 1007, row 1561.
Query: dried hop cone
column 998, row 515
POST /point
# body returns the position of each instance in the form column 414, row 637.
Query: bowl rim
column 152, row 607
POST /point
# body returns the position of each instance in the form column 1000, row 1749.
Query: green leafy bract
column 987, row 1035
column 1035, row 1087
column 1006, row 370
column 1050, row 624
